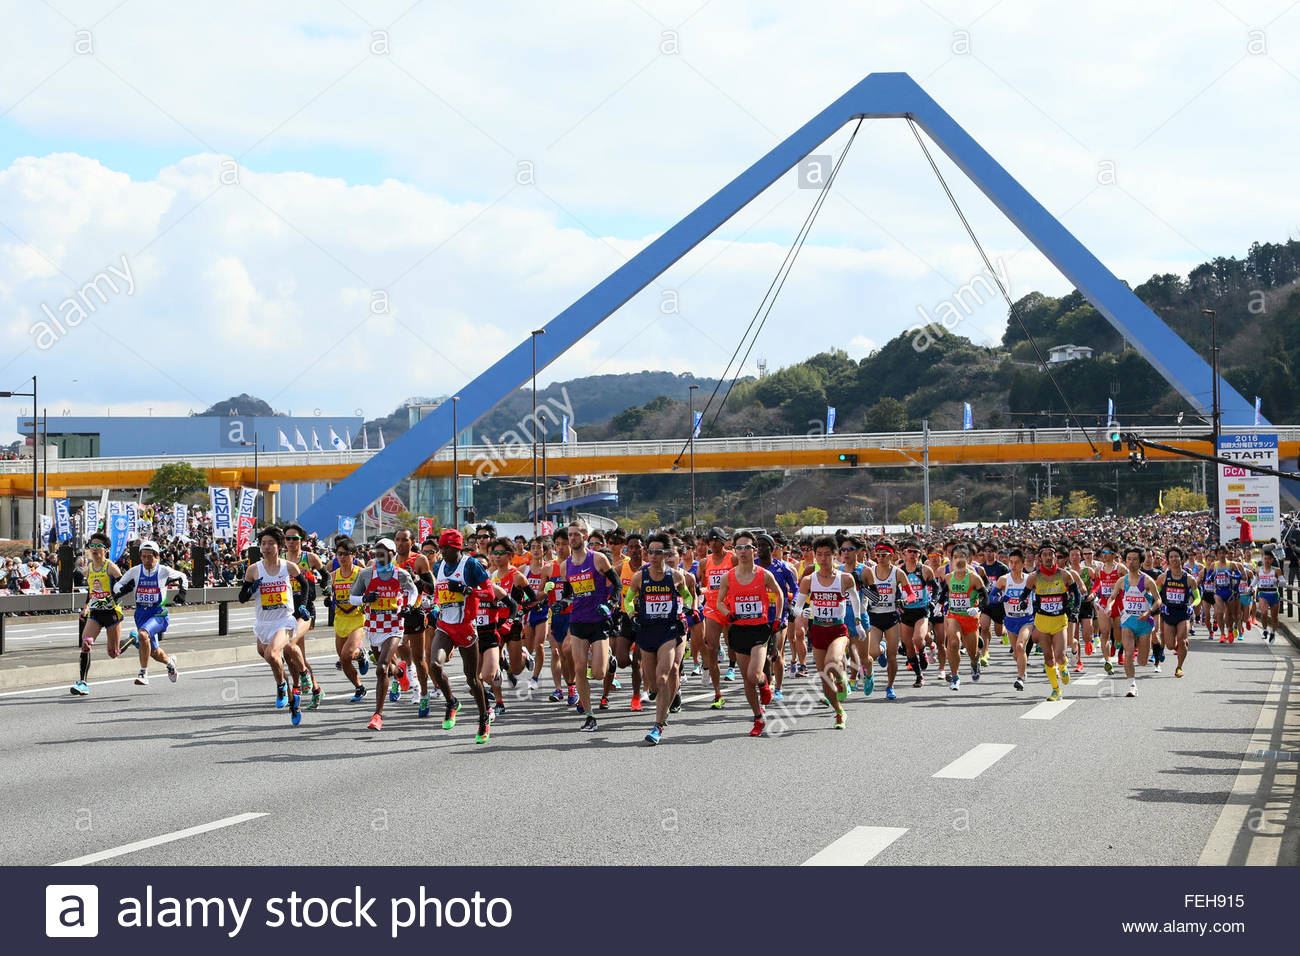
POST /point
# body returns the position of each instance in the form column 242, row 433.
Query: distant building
column 432, row 496
column 1060, row 354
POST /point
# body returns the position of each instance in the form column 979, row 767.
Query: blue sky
column 320, row 203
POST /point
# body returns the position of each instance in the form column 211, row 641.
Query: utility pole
column 1036, row 479
column 1116, row 491
column 1049, row 479
column 1215, row 422
column 925, row 469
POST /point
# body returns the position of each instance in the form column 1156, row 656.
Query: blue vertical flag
column 967, row 421
column 830, row 419
column 699, row 420
column 1256, row 409
column 346, row 525
column 118, row 530
column 63, row 519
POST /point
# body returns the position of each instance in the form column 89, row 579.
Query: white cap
column 149, row 546
column 388, row 543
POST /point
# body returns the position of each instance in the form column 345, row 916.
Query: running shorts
column 913, row 615
column 966, row 624
column 106, row 617
column 1176, row 614
column 1140, row 626
column 537, row 616
column 487, row 637
column 589, row 630
column 996, row 612
column 1014, row 625
column 652, row 638
column 743, row 638
column 883, row 622
column 1268, row 597
column 559, row 627
column 1050, row 623
column 822, row 635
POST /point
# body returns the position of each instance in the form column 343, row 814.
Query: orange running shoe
column 636, row 702
column 757, row 729
column 376, row 723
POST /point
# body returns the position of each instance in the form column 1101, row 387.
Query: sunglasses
column 293, row 537
column 744, row 547
column 654, row 551
column 500, row 553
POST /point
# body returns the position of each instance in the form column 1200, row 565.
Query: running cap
column 451, row 538
column 388, row 544
column 149, row 546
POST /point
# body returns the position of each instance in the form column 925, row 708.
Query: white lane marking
column 159, row 840
column 1266, row 830
column 1087, row 681
column 1046, row 710
column 975, row 761
column 858, row 847
column 123, row 680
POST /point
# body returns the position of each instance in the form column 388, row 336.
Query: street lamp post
column 691, row 393
column 256, row 474
column 1216, row 424
column 532, row 428
column 35, row 491
column 455, row 465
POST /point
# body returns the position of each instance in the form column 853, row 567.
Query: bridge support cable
column 1011, row 311
column 770, row 296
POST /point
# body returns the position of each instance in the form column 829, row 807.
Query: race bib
column 273, row 594
column 1175, row 594
column 482, row 619
column 659, row 607
column 583, row 585
column 1052, row 604
column 715, row 579
column 1135, row 604
column 750, row 607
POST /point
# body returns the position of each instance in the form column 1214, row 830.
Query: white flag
column 347, row 436
column 297, row 435
column 315, row 441
column 285, row 443
column 91, row 515
column 132, row 521
column 181, row 519
column 335, row 441
column 381, row 437
column 365, row 439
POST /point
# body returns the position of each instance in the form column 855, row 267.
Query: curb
column 128, row 664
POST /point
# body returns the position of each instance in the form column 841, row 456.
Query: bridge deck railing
column 75, row 600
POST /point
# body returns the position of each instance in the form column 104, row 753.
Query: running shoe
column 358, row 694
column 512, row 677
column 1087, row 648
column 1019, row 683
column 1132, row 689
column 363, row 665
column 579, row 709
column 697, row 670
column 573, row 696
column 172, row 672
column 424, row 707
column 1006, row 638
column 636, row 702
column 868, row 685
column 1178, row 672
column 142, row 678
column 652, row 738
column 718, row 703
column 1064, row 674
column 975, row 673
column 984, row 659
column 1078, row 666
column 80, row 689
column 498, row 711
column 882, row 660
column 919, row 681
column 317, row 695
column 1110, row 668
column 394, row 691
column 954, row 682
column 889, row 694
column 765, row 694
column 453, row 708
column 730, row 675
column 304, row 683
column 484, row 732
column 132, row 640
column 534, row 683
column 604, row 703
column 295, row 707
column 1157, row 667
column 676, row 706
column 778, row 696
column 1271, row 636
column 589, row 724
column 757, row 729
column 801, row 670
column 557, row 695
column 376, row 722
column 1055, row 695
column 616, row 684
column 403, row 678
column 839, row 721
column 843, row 693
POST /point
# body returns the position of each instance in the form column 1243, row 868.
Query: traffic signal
column 849, row 458
column 1115, row 443
column 471, row 515
column 1137, row 460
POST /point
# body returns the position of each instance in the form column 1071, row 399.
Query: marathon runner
column 713, row 568
column 414, row 652
column 593, row 586
column 305, row 587
column 746, row 595
column 274, row 618
column 828, row 593
column 657, row 603
column 1136, row 598
column 150, row 580
column 101, row 610
column 349, row 620
column 1178, row 594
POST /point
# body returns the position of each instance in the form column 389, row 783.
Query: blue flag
column 118, row 531
column 1257, row 416
column 699, row 420
column 967, row 420
column 346, row 525
column 63, row 519
column 830, row 419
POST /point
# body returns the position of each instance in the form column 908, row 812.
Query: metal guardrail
column 75, row 600
column 555, row 451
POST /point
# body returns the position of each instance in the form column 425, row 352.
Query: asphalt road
column 206, row 771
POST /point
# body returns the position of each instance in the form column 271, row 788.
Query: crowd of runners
column 628, row 620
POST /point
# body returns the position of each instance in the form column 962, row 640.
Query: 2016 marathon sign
column 1244, row 494
column 644, row 909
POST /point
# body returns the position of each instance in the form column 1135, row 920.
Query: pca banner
column 425, row 527
column 1244, row 494
column 223, row 521
column 247, row 503
column 63, row 519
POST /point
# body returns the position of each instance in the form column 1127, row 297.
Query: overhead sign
column 1244, row 494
